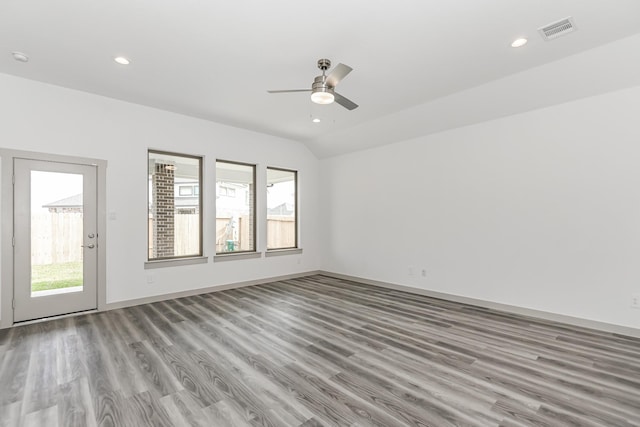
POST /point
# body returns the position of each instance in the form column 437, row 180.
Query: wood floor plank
column 226, row 413
column 43, row 417
column 185, row 371
column 157, row 374
column 145, row 328
column 123, row 327
column 315, row 351
column 110, row 409
column 68, row 363
column 145, row 410
column 312, row 422
column 182, row 409
column 15, row 366
column 11, row 414
column 251, row 397
column 41, row 382
column 75, row 404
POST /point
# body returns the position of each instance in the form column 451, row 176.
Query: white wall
column 50, row 119
column 539, row 210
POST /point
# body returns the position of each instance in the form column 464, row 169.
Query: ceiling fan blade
column 346, row 103
column 338, row 73
column 289, row 90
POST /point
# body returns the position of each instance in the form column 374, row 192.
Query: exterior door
column 56, row 241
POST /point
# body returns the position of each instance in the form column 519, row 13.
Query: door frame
column 7, row 227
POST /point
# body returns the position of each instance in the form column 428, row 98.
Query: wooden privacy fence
column 280, row 232
column 186, row 231
column 56, row 237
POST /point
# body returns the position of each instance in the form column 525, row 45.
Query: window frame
column 200, row 254
column 295, row 210
column 254, row 228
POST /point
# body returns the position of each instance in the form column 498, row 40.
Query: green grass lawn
column 56, row 276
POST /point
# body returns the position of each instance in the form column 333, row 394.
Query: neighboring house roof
column 76, row 202
column 282, row 209
column 67, row 202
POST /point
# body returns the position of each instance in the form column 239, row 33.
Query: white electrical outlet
column 150, row 278
column 635, row 300
column 424, row 272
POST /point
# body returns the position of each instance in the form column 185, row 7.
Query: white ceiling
column 413, row 60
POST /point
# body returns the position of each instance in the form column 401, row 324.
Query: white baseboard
column 554, row 317
column 199, row 291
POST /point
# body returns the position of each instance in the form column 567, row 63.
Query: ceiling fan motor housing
column 320, row 85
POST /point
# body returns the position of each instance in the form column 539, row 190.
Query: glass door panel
column 56, row 233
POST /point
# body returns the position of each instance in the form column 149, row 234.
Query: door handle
column 90, row 246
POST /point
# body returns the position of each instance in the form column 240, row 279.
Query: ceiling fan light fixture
column 322, row 97
column 321, row 92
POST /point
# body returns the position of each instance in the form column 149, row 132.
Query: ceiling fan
column 322, row 89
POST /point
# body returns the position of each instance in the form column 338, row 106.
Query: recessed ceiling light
column 316, row 120
column 122, row 60
column 519, row 42
column 19, row 56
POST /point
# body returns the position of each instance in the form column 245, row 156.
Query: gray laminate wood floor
column 315, row 351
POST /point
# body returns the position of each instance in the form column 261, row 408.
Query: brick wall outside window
column 163, row 210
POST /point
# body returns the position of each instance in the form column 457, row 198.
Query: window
column 185, row 190
column 175, row 222
column 235, row 207
column 227, row 191
column 282, row 212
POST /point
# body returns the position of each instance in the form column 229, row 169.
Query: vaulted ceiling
column 419, row 66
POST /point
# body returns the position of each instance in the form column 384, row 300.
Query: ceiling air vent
column 557, row 29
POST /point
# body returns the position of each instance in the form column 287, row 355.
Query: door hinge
column 13, row 304
column 13, row 241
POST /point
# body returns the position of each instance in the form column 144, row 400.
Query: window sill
column 175, row 262
column 280, row 252
column 235, row 256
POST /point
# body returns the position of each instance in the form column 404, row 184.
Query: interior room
column 320, row 214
